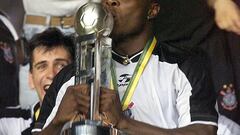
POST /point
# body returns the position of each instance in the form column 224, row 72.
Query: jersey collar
column 125, row 60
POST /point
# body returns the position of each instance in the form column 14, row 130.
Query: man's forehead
column 45, row 49
column 42, row 51
column 49, row 57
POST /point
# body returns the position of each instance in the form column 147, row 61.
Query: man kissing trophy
column 93, row 25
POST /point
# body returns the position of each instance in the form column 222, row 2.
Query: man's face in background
column 45, row 65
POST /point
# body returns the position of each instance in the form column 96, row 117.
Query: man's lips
column 45, row 88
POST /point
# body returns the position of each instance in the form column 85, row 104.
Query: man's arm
column 129, row 126
column 133, row 127
column 60, row 103
column 227, row 14
column 76, row 100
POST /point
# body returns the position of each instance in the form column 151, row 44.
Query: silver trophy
column 93, row 48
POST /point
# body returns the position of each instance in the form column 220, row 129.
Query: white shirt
column 162, row 96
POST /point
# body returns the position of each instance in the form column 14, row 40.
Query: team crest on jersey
column 124, row 80
column 8, row 56
column 229, row 100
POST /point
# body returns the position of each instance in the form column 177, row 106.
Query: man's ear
column 30, row 81
column 154, row 10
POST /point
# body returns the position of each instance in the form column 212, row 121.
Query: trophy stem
column 95, row 90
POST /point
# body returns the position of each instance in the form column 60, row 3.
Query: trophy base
column 90, row 127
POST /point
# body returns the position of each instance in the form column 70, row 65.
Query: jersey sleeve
column 198, row 102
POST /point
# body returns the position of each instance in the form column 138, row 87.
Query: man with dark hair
column 40, row 15
column 163, row 93
column 50, row 51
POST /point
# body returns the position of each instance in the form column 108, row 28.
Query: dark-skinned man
column 172, row 95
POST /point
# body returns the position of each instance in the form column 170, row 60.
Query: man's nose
column 111, row 3
column 51, row 73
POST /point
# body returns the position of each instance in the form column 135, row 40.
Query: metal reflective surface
column 93, row 18
column 93, row 48
column 89, row 127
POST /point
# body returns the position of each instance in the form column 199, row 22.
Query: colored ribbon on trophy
column 143, row 60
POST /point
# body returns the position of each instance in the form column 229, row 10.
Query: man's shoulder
column 178, row 55
column 193, row 63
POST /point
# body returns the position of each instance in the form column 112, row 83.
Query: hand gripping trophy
column 93, row 25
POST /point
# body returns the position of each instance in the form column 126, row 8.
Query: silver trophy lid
column 93, row 18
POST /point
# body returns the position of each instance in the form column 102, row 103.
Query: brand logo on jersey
column 7, row 52
column 124, row 80
column 229, row 100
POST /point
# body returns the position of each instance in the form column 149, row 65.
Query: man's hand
column 227, row 15
column 76, row 100
column 110, row 106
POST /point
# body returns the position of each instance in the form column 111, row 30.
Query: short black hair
column 49, row 39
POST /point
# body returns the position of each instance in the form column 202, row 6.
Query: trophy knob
column 93, row 18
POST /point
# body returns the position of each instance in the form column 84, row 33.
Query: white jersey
column 168, row 95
